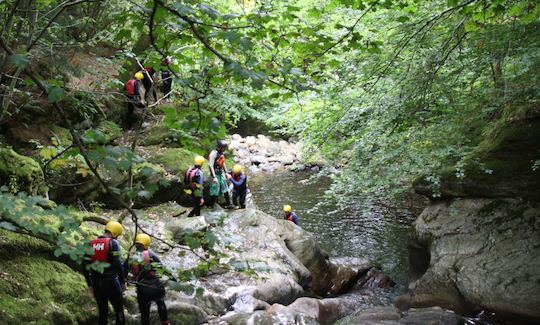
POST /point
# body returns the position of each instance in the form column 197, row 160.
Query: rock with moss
column 105, row 133
column 21, row 173
column 501, row 166
column 175, row 160
column 36, row 289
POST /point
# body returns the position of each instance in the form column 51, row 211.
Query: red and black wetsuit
column 194, row 177
column 291, row 216
column 133, row 94
column 107, row 286
column 149, row 287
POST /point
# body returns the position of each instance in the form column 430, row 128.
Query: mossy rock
column 105, row 133
column 175, row 160
column 501, row 165
column 36, row 289
column 22, row 172
column 61, row 136
column 160, row 134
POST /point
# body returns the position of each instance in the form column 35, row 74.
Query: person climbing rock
column 239, row 181
column 290, row 215
column 144, row 266
column 107, row 285
column 218, row 170
column 194, row 186
column 148, row 83
column 134, row 95
column 166, row 78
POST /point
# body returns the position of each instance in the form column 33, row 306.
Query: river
column 353, row 231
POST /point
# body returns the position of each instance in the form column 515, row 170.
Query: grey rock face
column 484, row 253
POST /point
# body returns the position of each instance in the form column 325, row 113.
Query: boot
column 212, row 202
column 228, row 204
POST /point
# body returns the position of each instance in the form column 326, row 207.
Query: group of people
column 218, row 186
column 194, row 178
column 109, row 284
column 142, row 87
column 144, row 266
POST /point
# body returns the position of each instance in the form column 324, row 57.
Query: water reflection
column 351, row 229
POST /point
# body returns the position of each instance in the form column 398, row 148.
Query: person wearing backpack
column 239, row 181
column 109, row 284
column 134, row 94
column 194, row 186
column 144, row 266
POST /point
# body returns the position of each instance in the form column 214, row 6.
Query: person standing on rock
column 239, row 180
column 218, row 170
column 290, row 215
column 144, row 266
column 194, row 186
column 134, row 95
column 107, row 285
column 166, row 77
column 148, row 82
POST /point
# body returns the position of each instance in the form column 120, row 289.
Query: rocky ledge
column 261, row 153
column 270, row 271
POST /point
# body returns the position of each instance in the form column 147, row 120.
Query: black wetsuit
column 107, row 286
column 166, row 87
column 240, row 189
column 134, row 100
column 149, row 286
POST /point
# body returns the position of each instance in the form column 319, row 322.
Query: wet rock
column 480, row 255
column 392, row 316
column 181, row 226
column 182, row 313
column 323, row 311
column 315, row 168
column 372, row 316
column 254, row 169
column 236, row 137
column 278, row 289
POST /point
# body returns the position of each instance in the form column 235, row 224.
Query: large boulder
column 278, row 289
column 21, row 173
column 392, row 316
column 481, row 254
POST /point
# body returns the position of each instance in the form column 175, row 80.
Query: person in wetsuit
column 218, row 171
column 290, row 215
column 143, row 265
column 239, row 180
column 134, row 95
column 109, row 285
column 194, row 183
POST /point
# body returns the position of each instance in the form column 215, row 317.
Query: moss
column 61, row 136
column 25, row 171
column 37, row 289
column 156, row 135
column 174, row 160
column 111, row 130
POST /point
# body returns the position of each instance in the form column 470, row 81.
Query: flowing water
column 354, row 232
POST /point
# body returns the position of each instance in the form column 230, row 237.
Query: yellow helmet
column 143, row 239
column 287, row 208
column 115, row 228
column 139, row 75
column 199, row 160
column 237, row 169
